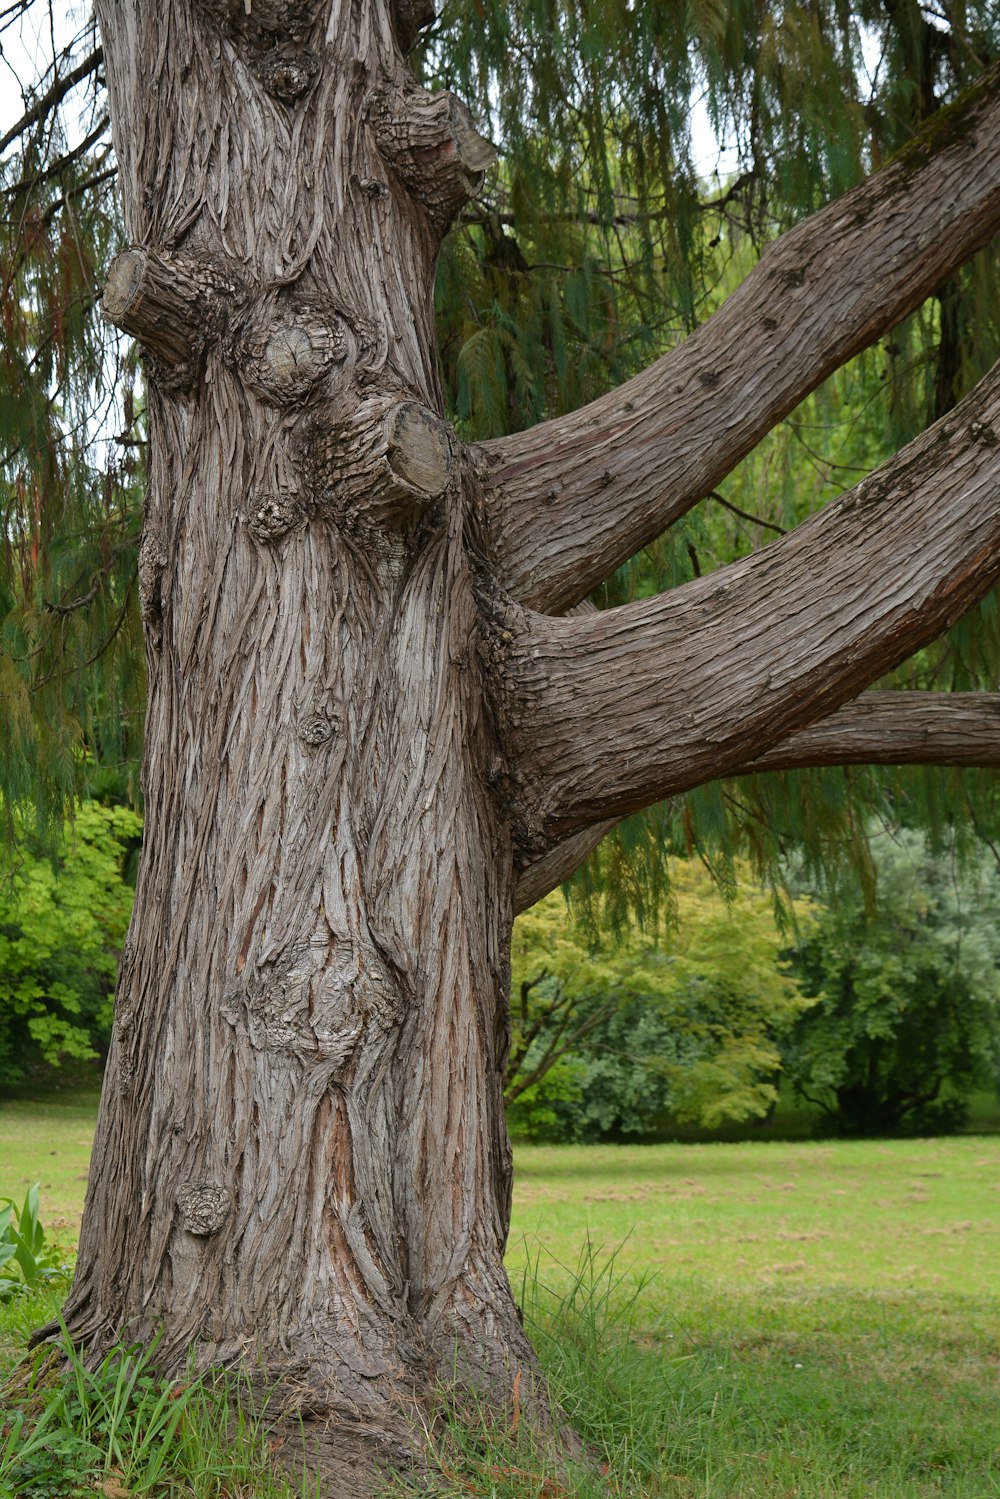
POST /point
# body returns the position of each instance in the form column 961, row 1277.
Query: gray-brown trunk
column 301, row 1158
column 357, row 738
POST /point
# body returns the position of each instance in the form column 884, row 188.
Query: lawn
column 725, row 1321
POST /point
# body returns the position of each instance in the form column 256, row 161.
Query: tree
column 62, row 925
column 908, row 1019
column 374, row 730
column 615, row 1039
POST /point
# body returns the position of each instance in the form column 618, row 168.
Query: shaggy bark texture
column 362, row 745
column 301, row 1157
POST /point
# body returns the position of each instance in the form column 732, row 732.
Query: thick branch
column 557, row 864
column 574, row 498
column 895, row 728
column 878, row 728
column 616, row 710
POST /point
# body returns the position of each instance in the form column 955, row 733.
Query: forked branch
column 574, row 498
column 617, row 709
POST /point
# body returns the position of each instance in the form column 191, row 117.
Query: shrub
column 606, row 1040
column 907, row 1021
column 62, row 923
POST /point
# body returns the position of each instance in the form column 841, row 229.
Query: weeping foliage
column 71, row 661
column 613, row 226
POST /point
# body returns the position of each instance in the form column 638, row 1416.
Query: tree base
column 341, row 1460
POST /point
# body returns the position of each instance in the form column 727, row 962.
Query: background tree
column 373, row 729
column 613, row 1040
column 62, row 926
column 908, row 1020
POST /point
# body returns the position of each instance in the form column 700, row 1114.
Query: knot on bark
column 285, row 350
column 272, row 36
column 433, row 146
column 318, row 1015
column 317, row 729
column 269, row 517
column 172, row 306
column 152, row 561
column 377, row 470
column 274, row 1007
column 126, row 1001
column 203, row 1206
column 126, row 1068
column 356, row 997
column 288, row 73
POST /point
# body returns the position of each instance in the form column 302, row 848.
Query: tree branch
column 159, row 301
column 895, row 728
column 431, row 143
column 53, row 97
column 614, row 710
column 878, row 728
column 53, row 168
column 557, row 864
column 574, row 498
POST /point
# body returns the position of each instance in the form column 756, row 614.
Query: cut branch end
column 159, row 302
column 419, row 448
column 431, row 142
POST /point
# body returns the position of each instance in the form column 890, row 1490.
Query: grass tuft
column 120, row 1430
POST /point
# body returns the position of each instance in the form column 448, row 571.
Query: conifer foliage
column 612, row 227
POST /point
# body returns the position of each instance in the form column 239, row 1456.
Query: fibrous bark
column 359, row 737
column 301, row 1158
column 895, row 728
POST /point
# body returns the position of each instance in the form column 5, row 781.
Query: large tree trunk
column 301, row 1156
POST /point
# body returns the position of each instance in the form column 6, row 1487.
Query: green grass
column 122, row 1431
column 48, row 1140
column 720, row 1321
column 885, row 1216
